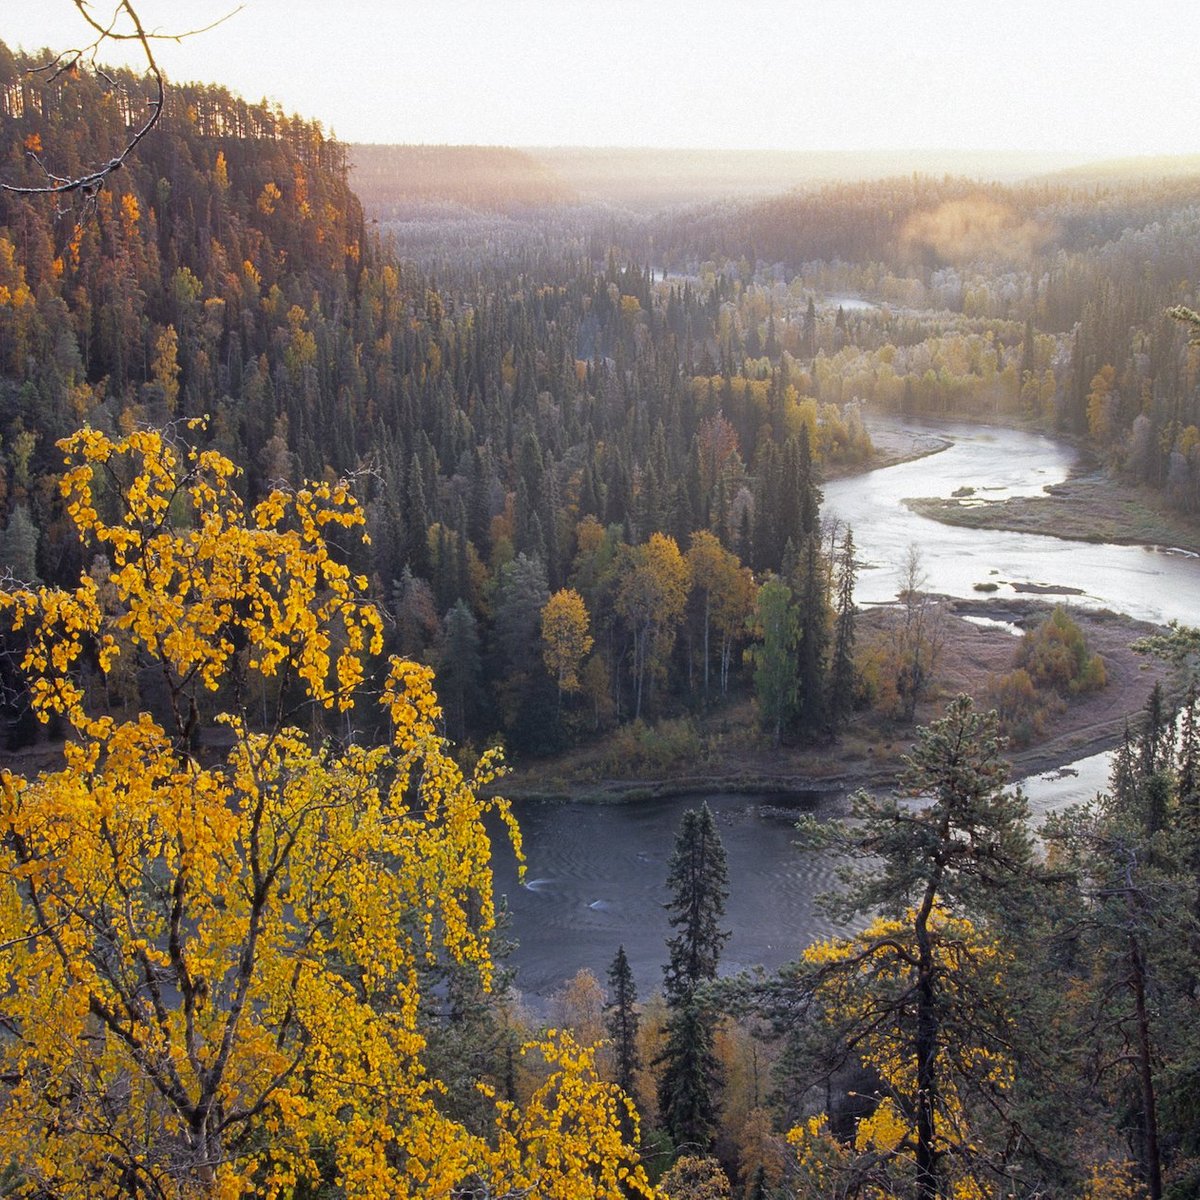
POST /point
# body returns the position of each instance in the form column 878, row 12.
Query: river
column 595, row 874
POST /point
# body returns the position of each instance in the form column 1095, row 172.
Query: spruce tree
column 460, row 668
column 841, row 667
column 768, row 540
column 698, row 879
column 699, row 882
column 810, row 495
column 1130, row 854
column 416, row 520
column 18, row 546
column 622, row 1020
column 809, row 342
column 813, row 641
column 691, row 1077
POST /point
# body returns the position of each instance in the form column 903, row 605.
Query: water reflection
column 597, row 873
column 1150, row 584
column 596, row 879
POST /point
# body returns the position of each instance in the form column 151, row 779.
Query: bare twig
column 125, row 25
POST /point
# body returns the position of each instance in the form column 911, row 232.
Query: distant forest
column 540, row 399
column 589, row 433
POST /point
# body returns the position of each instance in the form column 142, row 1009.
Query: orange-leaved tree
column 211, row 953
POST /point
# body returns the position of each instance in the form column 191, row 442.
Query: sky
column 1103, row 78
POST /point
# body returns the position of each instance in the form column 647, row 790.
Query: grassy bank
column 1089, row 507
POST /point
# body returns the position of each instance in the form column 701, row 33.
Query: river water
column 1151, row 584
column 595, row 874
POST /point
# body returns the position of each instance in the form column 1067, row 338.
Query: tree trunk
column 926, row 1052
column 1152, row 1162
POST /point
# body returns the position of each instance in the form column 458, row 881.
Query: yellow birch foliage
column 565, row 637
column 651, row 598
column 211, row 969
column 866, row 983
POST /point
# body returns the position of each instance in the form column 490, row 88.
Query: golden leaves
column 220, row 962
column 566, row 1142
column 190, row 596
column 565, row 637
column 874, row 972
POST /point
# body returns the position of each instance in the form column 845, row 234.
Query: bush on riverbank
column 1052, row 664
column 640, row 748
column 1057, row 657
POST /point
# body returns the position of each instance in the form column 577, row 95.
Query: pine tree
column 960, row 855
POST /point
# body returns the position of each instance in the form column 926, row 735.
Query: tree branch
column 125, row 25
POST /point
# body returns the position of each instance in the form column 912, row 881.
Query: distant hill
column 393, row 180
column 922, row 223
column 647, row 178
column 1143, row 167
column 399, row 181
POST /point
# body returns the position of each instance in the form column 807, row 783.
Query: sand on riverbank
column 1088, row 507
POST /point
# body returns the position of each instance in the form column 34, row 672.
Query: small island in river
column 1090, row 506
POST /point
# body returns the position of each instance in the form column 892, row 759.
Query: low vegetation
column 1051, row 666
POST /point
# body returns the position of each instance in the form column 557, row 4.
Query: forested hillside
column 625, row 414
column 1074, row 277
column 271, row 464
column 510, row 442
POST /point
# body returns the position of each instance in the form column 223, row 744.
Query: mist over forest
column 334, row 476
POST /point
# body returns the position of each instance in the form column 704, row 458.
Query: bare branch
column 125, row 25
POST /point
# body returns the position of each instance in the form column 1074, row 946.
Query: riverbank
column 725, row 752
column 890, row 446
column 1090, row 506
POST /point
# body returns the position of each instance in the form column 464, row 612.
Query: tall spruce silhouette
column 698, row 879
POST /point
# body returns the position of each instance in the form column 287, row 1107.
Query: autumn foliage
column 861, row 977
column 213, row 958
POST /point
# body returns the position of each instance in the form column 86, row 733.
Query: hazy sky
column 1105, row 77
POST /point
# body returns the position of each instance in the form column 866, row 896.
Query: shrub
column 1056, row 656
column 639, row 747
column 1021, row 709
column 1052, row 663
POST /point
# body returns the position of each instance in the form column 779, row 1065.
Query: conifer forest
column 368, row 510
